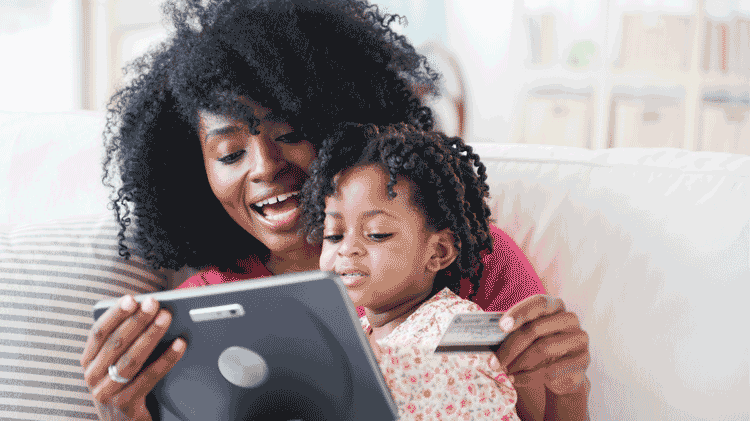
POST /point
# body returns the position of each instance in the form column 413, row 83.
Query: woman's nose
column 265, row 159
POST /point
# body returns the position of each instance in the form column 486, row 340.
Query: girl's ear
column 443, row 252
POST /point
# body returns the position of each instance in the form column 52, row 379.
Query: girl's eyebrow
column 368, row 214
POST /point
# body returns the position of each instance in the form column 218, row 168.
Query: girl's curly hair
column 314, row 63
column 447, row 188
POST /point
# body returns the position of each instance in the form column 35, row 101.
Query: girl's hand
column 546, row 353
column 124, row 336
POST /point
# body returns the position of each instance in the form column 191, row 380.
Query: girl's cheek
column 326, row 258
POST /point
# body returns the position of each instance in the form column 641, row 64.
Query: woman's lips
column 280, row 215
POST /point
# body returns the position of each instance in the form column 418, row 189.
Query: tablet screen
column 287, row 347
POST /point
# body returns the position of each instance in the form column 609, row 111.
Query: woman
column 209, row 145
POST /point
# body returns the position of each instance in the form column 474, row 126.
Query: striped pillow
column 51, row 274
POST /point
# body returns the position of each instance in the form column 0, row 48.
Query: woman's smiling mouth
column 278, row 211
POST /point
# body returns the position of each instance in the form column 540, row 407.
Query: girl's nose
column 350, row 246
column 266, row 159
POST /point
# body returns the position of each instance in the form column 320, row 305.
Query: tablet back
column 284, row 348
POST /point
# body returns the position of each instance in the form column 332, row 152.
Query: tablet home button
column 243, row 367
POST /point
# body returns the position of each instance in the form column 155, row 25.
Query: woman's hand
column 124, row 336
column 546, row 354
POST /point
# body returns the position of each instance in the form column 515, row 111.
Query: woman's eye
column 333, row 238
column 232, row 158
column 379, row 237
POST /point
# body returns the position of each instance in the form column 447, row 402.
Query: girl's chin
column 357, row 299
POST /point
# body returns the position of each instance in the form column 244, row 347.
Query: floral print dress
column 442, row 386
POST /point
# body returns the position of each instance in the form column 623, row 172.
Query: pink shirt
column 508, row 276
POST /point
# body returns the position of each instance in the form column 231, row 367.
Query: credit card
column 472, row 331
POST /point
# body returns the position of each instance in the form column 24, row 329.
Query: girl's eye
column 333, row 238
column 232, row 158
column 292, row 137
column 379, row 237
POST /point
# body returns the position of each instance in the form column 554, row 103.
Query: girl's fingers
column 105, row 325
column 519, row 341
column 131, row 361
column 119, row 341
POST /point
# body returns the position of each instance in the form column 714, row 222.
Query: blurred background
column 587, row 73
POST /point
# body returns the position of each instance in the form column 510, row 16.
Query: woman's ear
column 443, row 251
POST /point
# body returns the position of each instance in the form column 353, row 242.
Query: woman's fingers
column 547, row 350
column 530, row 309
column 531, row 396
column 129, row 400
column 131, row 361
column 119, row 341
column 106, row 324
column 519, row 341
column 567, row 375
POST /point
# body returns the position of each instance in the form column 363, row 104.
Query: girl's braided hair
column 447, row 188
column 314, row 63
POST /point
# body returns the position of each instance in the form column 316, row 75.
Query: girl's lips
column 351, row 281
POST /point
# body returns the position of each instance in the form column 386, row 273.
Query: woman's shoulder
column 508, row 276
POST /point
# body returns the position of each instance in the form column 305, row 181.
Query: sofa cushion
column 651, row 249
column 51, row 274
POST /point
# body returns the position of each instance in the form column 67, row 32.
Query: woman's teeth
column 275, row 199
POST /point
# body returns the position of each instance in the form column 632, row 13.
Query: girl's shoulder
column 427, row 324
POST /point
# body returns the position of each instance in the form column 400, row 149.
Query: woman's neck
column 297, row 260
column 385, row 322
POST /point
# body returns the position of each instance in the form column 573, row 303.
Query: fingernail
column 87, row 373
column 162, row 319
column 149, row 306
column 127, row 303
column 506, row 324
column 178, row 345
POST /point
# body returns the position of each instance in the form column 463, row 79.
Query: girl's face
column 257, row 177
column 381, row 247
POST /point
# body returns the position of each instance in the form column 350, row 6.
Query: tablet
column 286, row 347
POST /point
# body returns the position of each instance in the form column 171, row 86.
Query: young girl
column 402, row 219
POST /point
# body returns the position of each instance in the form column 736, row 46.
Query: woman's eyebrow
column 223, row 130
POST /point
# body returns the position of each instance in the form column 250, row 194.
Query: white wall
column 40, row 50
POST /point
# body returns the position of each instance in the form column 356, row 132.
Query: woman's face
column 257, row 177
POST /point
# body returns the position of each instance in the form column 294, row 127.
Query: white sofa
column 650, row 247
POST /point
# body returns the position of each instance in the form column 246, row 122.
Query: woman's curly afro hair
column 313, row 63
column 448, row 189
